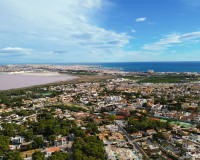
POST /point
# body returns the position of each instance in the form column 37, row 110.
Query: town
column 115, row 119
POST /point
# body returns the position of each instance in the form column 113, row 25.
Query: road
column 69, row 146
column 143, row 138
column 131, row 141
column 169, row 152
column 198, row 144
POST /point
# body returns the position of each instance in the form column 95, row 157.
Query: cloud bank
column 50, row 26
column 171, row 40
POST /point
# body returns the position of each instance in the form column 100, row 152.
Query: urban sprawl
column 125, row 116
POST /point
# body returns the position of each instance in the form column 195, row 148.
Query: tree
column 92, row 128
column 4, row 144
column 198, row 126
column 78, row 154
column 8, row 129
column 51, row 139
column 38, row 155
column 12, row 156
column 79, row 133
column 144, row 105
column 28, row 135
column 89, row 148
column 112, row 117
column 58, row 155
column 39, row 141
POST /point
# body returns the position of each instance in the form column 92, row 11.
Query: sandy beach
column 26, row 79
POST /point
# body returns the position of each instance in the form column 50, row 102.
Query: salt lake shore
column 12, row 80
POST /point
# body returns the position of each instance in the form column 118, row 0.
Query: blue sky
column 52, row 31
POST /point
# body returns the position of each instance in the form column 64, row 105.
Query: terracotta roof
column 151, row 130
column 53, row 149
column 100, row 120
column 120, row 117
column 156, row 119
column 63, row 138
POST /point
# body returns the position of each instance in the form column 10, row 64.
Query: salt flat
column 20, row 80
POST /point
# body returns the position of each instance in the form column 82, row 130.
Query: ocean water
column 145, row 66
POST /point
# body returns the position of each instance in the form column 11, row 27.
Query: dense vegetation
column 168, row 79
column 90, row 148
column 84, row 73
column 15, row 97
column 144, row 124
column 4, row 142
column 73, row 108
column 12, row 156
column 48, row 125
column 132, row 77
column 58, row 155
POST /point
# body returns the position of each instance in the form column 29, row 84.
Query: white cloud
column 14, row 51
column 142, row 19
column 172, row 40
column 133, row 30
column 189, row 36
column 49, row 25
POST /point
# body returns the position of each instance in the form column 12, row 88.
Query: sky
column 63, row 31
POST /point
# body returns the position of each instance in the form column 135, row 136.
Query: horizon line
column 96, row 62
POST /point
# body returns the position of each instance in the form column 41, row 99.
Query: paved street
column 131, row 141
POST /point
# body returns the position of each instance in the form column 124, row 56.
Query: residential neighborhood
column 125, row 119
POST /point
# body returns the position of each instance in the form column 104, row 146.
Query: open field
column 69, row 106
column 168, row 79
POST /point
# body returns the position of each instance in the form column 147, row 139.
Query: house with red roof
column 49, row 151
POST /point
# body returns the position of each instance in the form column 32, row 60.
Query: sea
column 145, row 66
column 186, row 66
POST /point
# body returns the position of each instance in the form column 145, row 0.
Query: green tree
column 112, row 118
column 198, row 126
column 4, row 144
column 90, row 148
column 57, row 155
column 92, row 128
column 144, row 105
column 51, row 139
column 12, row 156
column 8, row 129
column 28, row 135
column 78, row 154
column 79, row 133
column 38, row 155
column 39, row 141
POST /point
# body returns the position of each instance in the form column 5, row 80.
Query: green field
column 168, row 79
column 132, row 77
column 182, row 124
column 84, row 73
column 46, row 94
